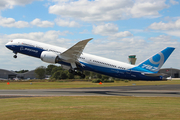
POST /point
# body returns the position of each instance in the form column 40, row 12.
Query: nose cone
column 9, row 45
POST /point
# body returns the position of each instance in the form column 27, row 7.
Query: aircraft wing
column 72, row 54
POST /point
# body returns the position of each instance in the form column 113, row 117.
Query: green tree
column 93, row 75
column 70, row 75
column 49, row 69
column 60, row 74
column 56, row 75
column 40, row 72
column 55, row 69
column 99, row 76
column 22, row 71
column 104, row 77
column 87, row 73
column 63, row 75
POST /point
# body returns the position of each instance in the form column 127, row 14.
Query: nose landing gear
column 15, row 56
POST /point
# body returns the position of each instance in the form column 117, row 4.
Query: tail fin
column 154, row 63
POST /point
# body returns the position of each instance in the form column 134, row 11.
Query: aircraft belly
column 139, row 76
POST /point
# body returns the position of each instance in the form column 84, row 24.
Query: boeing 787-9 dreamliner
column 76, row 61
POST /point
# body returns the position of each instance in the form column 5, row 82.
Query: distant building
column 27, row 75
column 6, row 74
column 174, row 73
column 132, row 59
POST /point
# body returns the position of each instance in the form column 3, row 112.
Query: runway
column 137, row 91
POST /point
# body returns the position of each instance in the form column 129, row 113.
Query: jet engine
column 49, row 57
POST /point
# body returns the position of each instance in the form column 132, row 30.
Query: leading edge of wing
column 75, row 51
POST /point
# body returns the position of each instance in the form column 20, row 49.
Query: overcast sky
column 119, row 28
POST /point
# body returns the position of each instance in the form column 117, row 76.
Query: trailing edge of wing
column 73, row 53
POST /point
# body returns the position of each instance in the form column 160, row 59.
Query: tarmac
column 136, row 91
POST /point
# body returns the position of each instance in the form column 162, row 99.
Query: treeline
column 22, row 71
column 58, row 73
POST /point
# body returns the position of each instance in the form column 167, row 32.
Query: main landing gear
column 76, row 72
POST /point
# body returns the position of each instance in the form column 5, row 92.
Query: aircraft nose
column 8, row 45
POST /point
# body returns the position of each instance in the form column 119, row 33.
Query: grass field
column 57, row 85
column 90, row 108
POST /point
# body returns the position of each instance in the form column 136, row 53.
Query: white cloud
column 165, row 39
column 66, row 23
column 47, row 37
column 173, row 33
column 105, row 29
column 107, row 10
column 9, row 4
column 39, row 23
column 110, row 30
column 84, row 32
column 174, row 2
column 165, row 26
column 171, row 28
column 162, row 26
column 143, row 8
column 10, row 22
column 122, row 34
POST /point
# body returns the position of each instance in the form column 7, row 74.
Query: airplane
column 76, row 61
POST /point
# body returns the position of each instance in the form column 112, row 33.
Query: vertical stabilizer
column 154, row 63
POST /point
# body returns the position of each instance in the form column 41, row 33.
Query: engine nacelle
column 49, row 57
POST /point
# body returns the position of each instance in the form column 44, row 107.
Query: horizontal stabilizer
column 153, row 75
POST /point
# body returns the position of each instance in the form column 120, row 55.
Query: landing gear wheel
column 15, row 56
column 75, row 72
